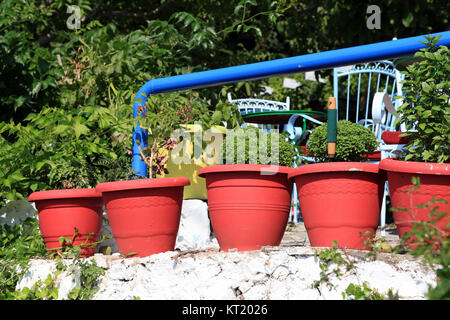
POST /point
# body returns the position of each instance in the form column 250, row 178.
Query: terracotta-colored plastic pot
column 144, row 214
column 60, row 211
column 339, row 201
column 394, row 137
column 434, row 182
column 248, row 204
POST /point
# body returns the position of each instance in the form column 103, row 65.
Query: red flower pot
column 434, row 181
column 248, row 204
column 60, row 211
column 144, row 214
column 339, row 201
column 394, row 137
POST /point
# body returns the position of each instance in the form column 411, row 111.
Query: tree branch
column 44, row 40
column 129, row 14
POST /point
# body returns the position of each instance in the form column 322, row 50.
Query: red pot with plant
column 411, row 201
column 71, row 213
column 144, row 214
column 248, row 202
column 340, row 197
column 419, row 178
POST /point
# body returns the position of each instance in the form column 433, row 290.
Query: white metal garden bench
column 251, row 105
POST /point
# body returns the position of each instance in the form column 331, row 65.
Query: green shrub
column 251, row 155
column 58, row 149
column 425, row 107
column 353, row 142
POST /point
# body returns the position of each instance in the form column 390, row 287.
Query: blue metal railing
column 309, row 62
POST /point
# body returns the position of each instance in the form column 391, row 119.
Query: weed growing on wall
column 342, row 265
column 23, row 242
column 18, row 244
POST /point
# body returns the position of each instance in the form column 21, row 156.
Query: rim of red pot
column 142, row 184
column 64, row 194
column 333, row 167
column 243, row 168
column 434, row 168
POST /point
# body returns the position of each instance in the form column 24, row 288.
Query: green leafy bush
column 253, row 154
column 18, row 244
column 58, row 149
column 353, row 142
column 426, row 109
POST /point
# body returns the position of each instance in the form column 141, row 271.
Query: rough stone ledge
column 278, row 273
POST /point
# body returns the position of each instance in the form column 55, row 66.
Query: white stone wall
column 275, row 273
column 207, row 273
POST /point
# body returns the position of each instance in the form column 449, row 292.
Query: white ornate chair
column 373, row 107
column 250, row 105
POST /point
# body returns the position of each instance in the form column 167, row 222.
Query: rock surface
column 199, row 270
column 271, row 273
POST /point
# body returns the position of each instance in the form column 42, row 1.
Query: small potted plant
column 249, row 197
column 425, row 158
column 340, row 197
column 195, row 120
column 144, row 212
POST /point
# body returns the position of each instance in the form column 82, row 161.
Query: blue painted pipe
column 260, row 70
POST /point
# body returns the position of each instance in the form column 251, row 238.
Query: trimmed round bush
column 286, row 151
column 353, row 142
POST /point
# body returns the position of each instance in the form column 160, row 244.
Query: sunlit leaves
column 425, row 107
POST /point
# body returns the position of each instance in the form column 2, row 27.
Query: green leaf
column 113, row 88
column 59, row 129
column 426, row 87
column 217, row 117
column 39, row 165
column 16, row 176
column 80, row 129
column 226, row 112
column 11, row 196
column 406, row 21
